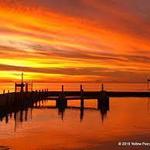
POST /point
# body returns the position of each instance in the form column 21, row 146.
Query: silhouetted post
column 3, row 91
column 26, row 87
column 82, row 103
column 82, row 99
column 102, row 87
column 22, row 84
column 22, row 87
column 64, row 100
column 103, row 100
column 62, row 88
column 61, row 102
column 81, row 88
column 15, row 88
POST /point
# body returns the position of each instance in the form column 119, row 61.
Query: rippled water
column 45, row 128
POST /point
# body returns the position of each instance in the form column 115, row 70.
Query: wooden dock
column 16, row 101
column 28, row 97
column 25, row 99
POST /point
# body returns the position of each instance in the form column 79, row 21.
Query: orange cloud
column 50, row 43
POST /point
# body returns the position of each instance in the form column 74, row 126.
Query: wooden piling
column 82, row 98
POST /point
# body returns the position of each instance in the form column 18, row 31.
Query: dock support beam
column 103, row 100
column 61, row 102
column 82, row 98
column 103, row 103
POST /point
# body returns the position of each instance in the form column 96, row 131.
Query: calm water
column 46, row 128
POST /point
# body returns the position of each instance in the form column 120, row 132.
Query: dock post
column 103, row 100
column 82, row 103
column 82, row 99
column 26, row 86
column 102, row 87
column 15, row 88
column 62, row 89
column 61, row 102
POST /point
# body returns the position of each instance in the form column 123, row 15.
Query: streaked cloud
column 86, row 39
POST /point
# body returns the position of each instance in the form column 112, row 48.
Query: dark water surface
column 46, row 128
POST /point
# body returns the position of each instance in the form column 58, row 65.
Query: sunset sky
column 75, row 40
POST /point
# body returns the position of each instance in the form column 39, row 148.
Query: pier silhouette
column 23, row 99
column 15, row 102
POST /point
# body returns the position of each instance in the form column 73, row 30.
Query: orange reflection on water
column 42, row 127
column 127, row 119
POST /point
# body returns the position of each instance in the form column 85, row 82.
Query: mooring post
column 26, row 86
column 62, row 89
column 64, row 98
column 3, row 91
column 103, row 100
column 81, row 88
column 102, row 87
column 81, row 95
column 15, row 88
column 61, row 102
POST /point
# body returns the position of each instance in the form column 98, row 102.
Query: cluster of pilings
column 61, row 101
column 102, row 101
column 13, row 101
column 20, row 100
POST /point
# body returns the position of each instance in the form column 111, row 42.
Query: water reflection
column 81, row 128
column 21, row 115
column 4, row 148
